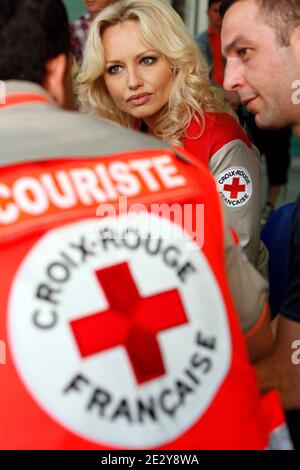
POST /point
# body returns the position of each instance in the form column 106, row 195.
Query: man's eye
column 148, row 60
column 242, row 52
column 114, row 69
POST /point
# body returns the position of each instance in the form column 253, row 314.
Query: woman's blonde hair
column 162, row 28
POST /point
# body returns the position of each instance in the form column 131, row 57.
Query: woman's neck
column 151, row 123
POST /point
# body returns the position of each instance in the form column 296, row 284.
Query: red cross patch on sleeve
column 235, row 186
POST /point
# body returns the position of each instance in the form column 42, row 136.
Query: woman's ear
column 54, row 81
column 174, row 72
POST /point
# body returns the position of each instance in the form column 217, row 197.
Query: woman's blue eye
column 148, row 60
column 114, row 69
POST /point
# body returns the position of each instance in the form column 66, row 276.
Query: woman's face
column 138, row 78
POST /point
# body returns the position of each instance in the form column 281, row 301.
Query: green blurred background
column 75, row 8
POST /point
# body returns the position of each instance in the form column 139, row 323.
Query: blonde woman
column 142, row 69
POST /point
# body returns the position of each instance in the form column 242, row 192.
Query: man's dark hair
column 282, row 15
column 212, row 2
column 31, row 33
column 225, row 5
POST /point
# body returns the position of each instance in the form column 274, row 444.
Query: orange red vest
column 119, row 325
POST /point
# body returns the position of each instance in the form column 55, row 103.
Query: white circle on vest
column 119, row 331
column 235, row 187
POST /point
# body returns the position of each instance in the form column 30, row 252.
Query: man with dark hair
column 261, row 41
column 96, row 296
column 28, row 42
column 265, row 93
column 274, row 145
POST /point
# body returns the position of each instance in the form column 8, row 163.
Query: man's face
column 96, row 5
column 215, row 19
column 259, row 68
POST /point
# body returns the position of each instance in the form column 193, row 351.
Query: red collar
column 23, row 98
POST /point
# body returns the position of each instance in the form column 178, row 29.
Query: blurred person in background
column 80, row 27
column 209, row 42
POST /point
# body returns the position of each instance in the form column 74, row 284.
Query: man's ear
column 295, row 43
column 55, row 70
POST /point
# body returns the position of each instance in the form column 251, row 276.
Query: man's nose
column 233, row 78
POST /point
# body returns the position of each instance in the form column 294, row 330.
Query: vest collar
column 18, row 93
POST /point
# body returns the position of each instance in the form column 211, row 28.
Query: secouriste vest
column 119, row 327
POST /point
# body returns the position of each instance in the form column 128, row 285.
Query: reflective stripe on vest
column 22, row 98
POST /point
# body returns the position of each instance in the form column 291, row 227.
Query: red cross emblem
column 235, row 188
column 131, row 321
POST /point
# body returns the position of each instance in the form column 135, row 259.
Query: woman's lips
column 138, row 100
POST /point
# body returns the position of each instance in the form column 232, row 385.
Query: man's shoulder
column 297, row 207
column 203, row 34
column 202, row 38
column 291, row 304
column 296, row 223
column 67, row 134
column 99, row 129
